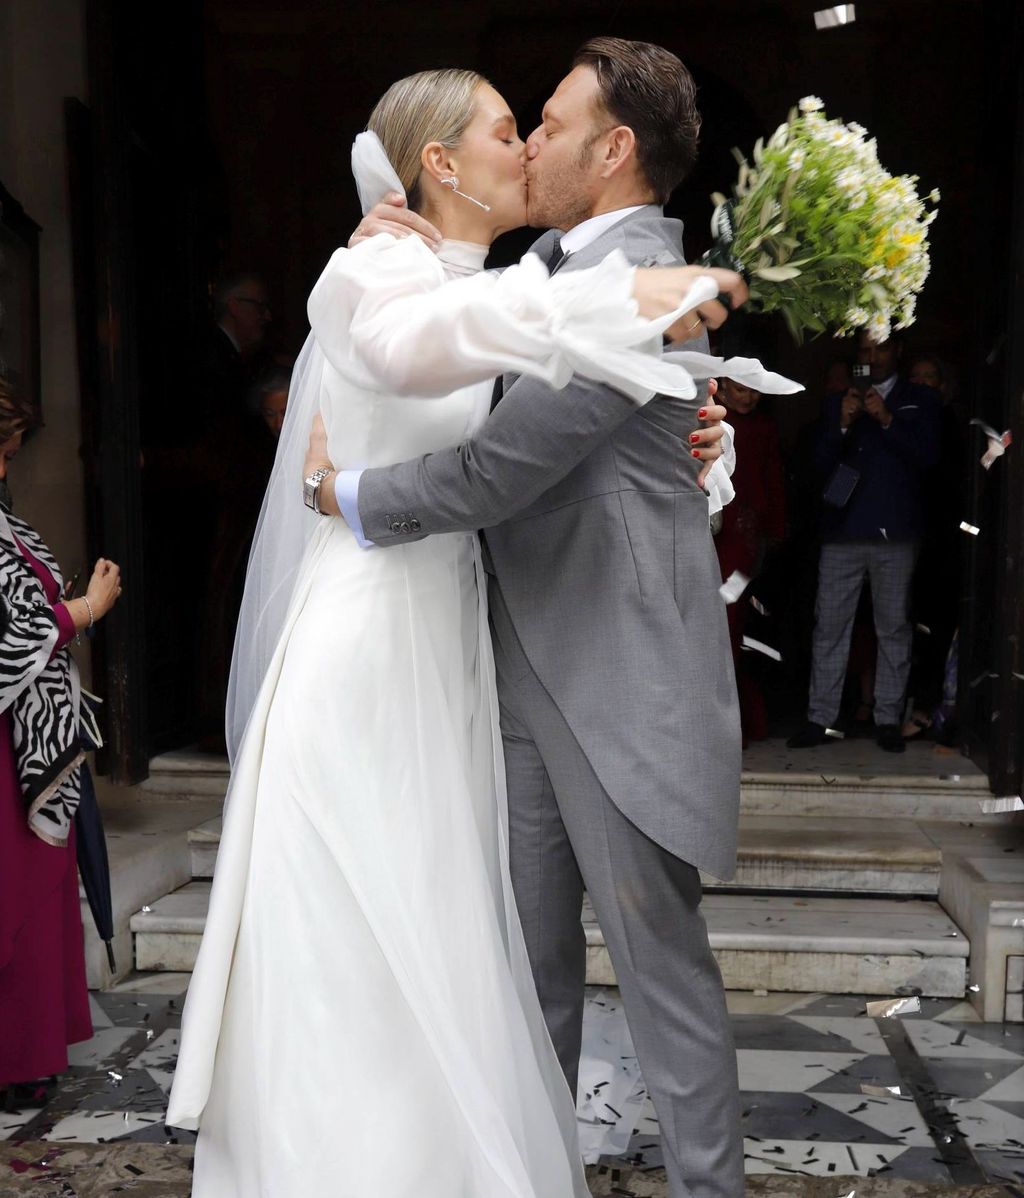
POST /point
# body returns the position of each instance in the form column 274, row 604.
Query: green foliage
column 825, row 234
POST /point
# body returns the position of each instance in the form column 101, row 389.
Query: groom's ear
column 619, row 150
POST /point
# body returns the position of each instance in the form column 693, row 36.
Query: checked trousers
column 844, row 565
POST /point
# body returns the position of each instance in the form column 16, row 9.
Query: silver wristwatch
column 311, row 488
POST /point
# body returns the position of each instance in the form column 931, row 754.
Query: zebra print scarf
column 41, row 694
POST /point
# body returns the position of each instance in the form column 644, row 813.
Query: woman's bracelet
column 92, row 616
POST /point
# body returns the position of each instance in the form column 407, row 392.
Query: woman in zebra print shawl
column 43, row 998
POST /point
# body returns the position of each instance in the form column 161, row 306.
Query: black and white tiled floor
column 826, row 1091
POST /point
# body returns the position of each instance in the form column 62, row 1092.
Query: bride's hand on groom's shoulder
column 392, row 216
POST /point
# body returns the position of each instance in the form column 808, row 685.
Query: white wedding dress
column 362, row 1018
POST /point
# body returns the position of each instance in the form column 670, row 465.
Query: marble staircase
column 845, row 859
column 816, row 945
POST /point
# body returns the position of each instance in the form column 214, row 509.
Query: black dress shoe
column 810, row 734
column 890, row 738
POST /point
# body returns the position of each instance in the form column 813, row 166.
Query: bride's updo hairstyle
column 429, row 106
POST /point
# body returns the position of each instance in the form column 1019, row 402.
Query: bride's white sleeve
column 387, row 320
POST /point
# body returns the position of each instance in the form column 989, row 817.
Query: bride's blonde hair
column 429, row 106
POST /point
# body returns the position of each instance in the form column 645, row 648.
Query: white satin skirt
column 362, row 1018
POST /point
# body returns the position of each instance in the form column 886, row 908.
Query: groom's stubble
column 560, row 198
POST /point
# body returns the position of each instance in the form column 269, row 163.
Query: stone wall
column 42, row 60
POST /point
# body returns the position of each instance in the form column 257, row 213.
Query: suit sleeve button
column 414, row 525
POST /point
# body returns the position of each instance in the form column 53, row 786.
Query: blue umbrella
column 91, row 843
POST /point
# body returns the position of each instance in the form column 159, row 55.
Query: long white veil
column 286, row 524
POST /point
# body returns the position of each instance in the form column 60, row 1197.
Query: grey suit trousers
column 566, row 834
column 843, row 567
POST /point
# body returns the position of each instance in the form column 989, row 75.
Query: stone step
column 880, row 856
column 188, row 774
column 778, row 853
column 820, row 945
column 838, row 779
column 854, row 776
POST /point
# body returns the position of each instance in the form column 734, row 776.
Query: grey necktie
column 557, row 258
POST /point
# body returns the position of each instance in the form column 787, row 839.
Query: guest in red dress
column 44, row 1004
column 751, row 524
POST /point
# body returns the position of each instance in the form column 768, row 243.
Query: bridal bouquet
column 822, row 232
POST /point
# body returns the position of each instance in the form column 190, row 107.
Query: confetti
column 881, row 1091
column 761, row 647
column 115, row 1077
column 887, row 1008
column 146, row 910
column 923, row 628
column 758, row 606
column 971, row 528
column 734, row 586
column 998, row 806
column 975, row 989
column 998, row 443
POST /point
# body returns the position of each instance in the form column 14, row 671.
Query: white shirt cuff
column 346, row 489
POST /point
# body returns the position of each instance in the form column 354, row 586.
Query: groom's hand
column 392, row 216
column 706, row 442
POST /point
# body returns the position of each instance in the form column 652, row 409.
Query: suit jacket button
column 414, row 525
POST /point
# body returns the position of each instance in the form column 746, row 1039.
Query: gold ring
column 696, row 325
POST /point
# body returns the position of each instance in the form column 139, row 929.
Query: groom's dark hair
column 647, row 88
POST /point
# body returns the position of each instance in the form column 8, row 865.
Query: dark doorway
column 236, row 122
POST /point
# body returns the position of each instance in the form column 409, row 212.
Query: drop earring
column 452, row 181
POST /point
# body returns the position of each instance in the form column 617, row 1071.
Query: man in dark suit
column 871, row 455
column 232, row 458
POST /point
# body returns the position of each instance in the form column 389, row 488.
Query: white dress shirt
column 581, row 235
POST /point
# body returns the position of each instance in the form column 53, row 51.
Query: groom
column 618, row 706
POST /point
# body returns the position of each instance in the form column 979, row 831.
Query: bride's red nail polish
column 695, row 453
column 702, row 413
column 694, row 438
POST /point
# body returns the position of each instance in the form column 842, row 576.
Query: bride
column 362, row 1018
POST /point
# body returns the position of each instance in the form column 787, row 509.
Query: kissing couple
column 440, row 739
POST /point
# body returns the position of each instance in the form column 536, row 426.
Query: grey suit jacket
column 599, row 539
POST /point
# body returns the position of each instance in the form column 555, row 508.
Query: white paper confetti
column 611, row 1090
column 888, row 1008
column 881, row 1091
column 758, row 606
column 998, row 443
column 998, row 806
column 761, row 647
column 972, row 529
column 734, row 586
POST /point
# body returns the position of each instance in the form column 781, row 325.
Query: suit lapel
column 590, row 255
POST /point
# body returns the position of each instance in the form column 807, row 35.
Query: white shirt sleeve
column 387, row 320
column 718, row 483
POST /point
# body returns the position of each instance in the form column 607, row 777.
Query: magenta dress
column 44, row 1003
